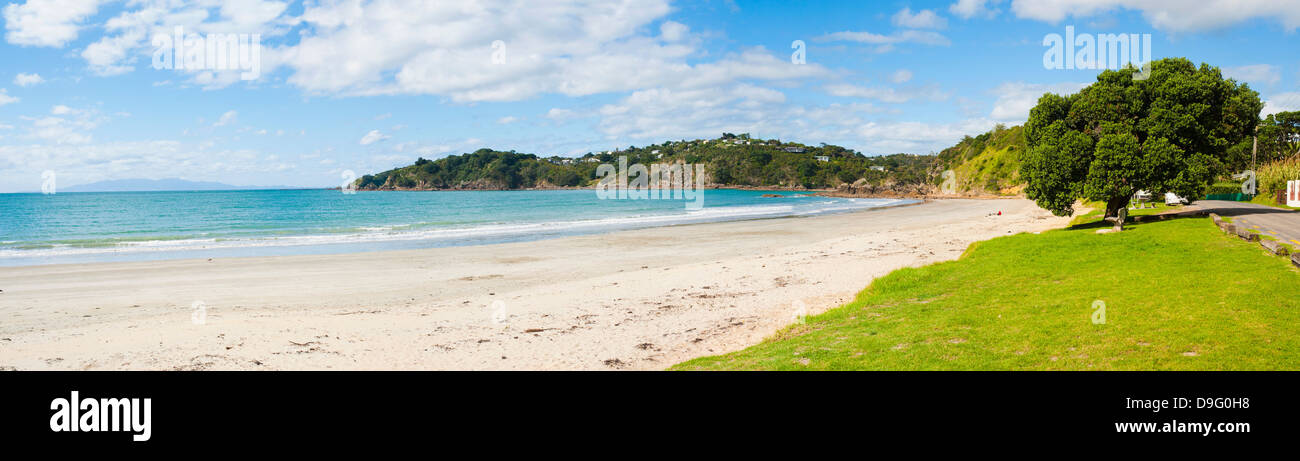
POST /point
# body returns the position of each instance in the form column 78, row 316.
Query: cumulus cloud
column 887, row 42
column 227, row 118
column 65, row 125
column 1281, row 102
column 127, row 36
column 1167, row 15
column 660, row 113
column 967, row 9
column 5, row 98
column 901, row 76
column 919, row 137
column 886, row 94
column 1255, row 74
column 51, row 23
column 372, row 137
column 85, row 163
column 673, row 31
column 924, row 19
column 24, row 79
column 472, row 54
column 447, row 48
column 560, row 114
column 1015, row 99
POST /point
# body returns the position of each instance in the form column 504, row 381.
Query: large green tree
column 1169, row 132
column 1279, row 136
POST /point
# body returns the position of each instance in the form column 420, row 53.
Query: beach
column 627, row 300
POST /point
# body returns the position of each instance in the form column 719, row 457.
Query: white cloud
column 919, row 137
column 1168, row 15
column 673, row 31
column 662, row 113
column 23, row 79
column 85, row 163
column 1281, row 102
column 901, row 76
column 65, row 125
column 51, row 23
column 507, row 120
column 127, row 36
column 560, row 114
column 1015, row 99
column 925, row 37
column 5, row 98
column 445, row 48
column 227, row 118
column 372, row 137
column 351, row 47
column 924, row 19
column 585, row 47
column 967, row 9
column 1254, row 74
column 884, row 94
column 107, row 56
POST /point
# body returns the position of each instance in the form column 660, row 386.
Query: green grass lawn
column 1178, row 294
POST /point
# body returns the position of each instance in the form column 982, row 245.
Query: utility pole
column 1254, row 148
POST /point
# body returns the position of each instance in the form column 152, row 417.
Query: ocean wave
column 483, row 233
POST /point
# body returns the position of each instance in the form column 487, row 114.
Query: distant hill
column 988, row 163
column 730, row 161
column 168, row 184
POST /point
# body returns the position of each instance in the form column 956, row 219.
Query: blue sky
column 369, row 85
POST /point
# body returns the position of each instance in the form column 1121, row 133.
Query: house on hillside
column 822, row 158
column 793, row 150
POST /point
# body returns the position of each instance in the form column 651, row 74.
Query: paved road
column 1280, row 223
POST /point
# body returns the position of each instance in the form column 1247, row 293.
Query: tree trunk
column 1117, row 208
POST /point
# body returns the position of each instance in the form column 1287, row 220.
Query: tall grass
column 1273, row 176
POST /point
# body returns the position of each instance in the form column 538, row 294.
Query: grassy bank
column 1178, row 294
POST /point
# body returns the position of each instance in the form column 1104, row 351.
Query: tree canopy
column 1170, row 132
column 733, row 159
column 1279, row 136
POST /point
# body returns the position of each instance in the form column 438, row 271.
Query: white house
column 823, row 158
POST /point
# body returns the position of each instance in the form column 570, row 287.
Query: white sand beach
column 631, row 300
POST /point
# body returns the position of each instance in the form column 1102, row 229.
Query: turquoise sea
column 83, row 227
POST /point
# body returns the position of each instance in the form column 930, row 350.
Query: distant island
column 730, row 161
column 159, row 185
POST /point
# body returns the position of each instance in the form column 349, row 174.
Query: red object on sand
column 999, row 212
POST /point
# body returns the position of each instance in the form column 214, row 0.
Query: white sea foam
column 465, row 235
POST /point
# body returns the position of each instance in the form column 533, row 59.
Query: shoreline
column 361, row 241
column 593, row 302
